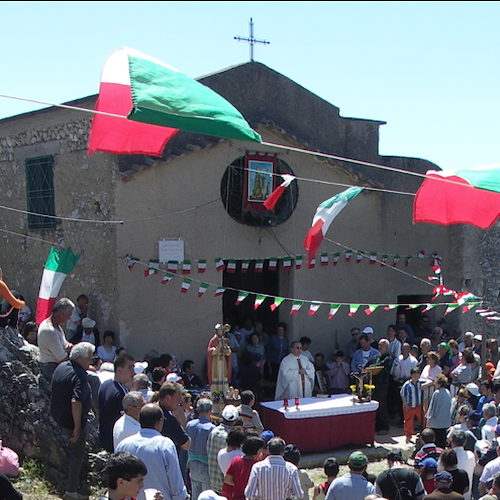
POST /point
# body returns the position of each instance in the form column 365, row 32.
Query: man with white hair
column 491, row 422
column 465, row 459
column 70, row 404
column 425, row 347
column 468, row 341
column 128, row 424
column 54, row 348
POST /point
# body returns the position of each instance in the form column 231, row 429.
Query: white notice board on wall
column 171, row 251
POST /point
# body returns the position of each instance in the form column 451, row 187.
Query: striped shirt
column 273, row 479
column 411, row 393
column 216, row 441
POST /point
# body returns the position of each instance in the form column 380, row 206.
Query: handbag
column 9, row 461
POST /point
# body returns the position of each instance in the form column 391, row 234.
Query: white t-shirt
column 225, row 458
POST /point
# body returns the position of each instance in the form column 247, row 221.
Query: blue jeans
column 200, row 480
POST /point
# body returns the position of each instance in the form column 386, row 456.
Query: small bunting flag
column 219, row 291
column 241, row 297
column 407, row 260
column 231, row 266
column 186, row 284
column 313, row 308
column 384, row 259
column 298, row 261
column 186, row 267
column 412, row 306
column 219, row 264
column 336, row 257
column 153, row 268
column 450, row 308
column 258, row 301
column 359, row 256
column 287, row 263
column 168, row 277
column 273, row 264
column 373, row 257
column 428, row 307
column 370, row 309
column 297, row 304
column 259, row 265
column 389, row 307
column 311, row 264
column 172, row 266
column 277, row 302
column 395, row 260
column 334, row 308
column 421, row 254
column 469, row 306
column 202, row 289
column 202, row 266
column 245, row 264
column 353, row 308
column 348, row 255
column 324, row 259
column 131, row 262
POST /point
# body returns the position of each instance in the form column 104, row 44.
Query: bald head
column 150, row 415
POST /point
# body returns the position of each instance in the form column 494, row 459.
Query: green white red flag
column 59, row 264
column 273, row 198
column 325, row 213
column 154, row 101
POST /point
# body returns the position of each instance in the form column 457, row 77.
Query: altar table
column 321, row 424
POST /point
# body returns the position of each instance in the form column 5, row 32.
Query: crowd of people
column 157, row 420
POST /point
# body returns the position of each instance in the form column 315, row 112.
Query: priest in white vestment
column 295, row 376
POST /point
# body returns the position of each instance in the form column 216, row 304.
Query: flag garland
column 466, row 300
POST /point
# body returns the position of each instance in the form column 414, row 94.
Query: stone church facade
column 180, row 197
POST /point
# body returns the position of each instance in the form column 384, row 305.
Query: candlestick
column 297, row 402
column 285, row 403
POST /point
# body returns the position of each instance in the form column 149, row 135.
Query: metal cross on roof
column 251, row 40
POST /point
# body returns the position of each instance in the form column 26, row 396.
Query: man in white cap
column 368, row 331
column 217, row 441
column 88, row 333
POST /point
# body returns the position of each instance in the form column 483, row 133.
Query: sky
column 429, row 69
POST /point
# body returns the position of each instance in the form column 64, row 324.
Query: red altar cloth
column 321, row 424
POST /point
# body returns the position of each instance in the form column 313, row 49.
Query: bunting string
column 465, row 299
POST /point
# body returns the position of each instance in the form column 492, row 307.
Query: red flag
column 270, row 203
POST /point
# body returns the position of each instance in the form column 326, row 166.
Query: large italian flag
column 470, row 196
column 156, row 101
column 57, row 267
column 325, row 213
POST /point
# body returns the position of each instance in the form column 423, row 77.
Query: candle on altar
column 297, row 402
column 285, row 403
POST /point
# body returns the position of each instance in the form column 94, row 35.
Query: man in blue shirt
column 198, row 430
column 158, row 454
column 363, row 355
column 353, row 485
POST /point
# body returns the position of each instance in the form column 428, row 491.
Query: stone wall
column 84, row 190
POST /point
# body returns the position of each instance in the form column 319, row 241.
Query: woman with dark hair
column 255, row 347
column 107, row 351
column 448, row 461
column 30, row 332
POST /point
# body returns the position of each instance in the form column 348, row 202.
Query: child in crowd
column 331, row 469
column 412, row 404
column 125, row 477
column 250, row 417
column 292, row 455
